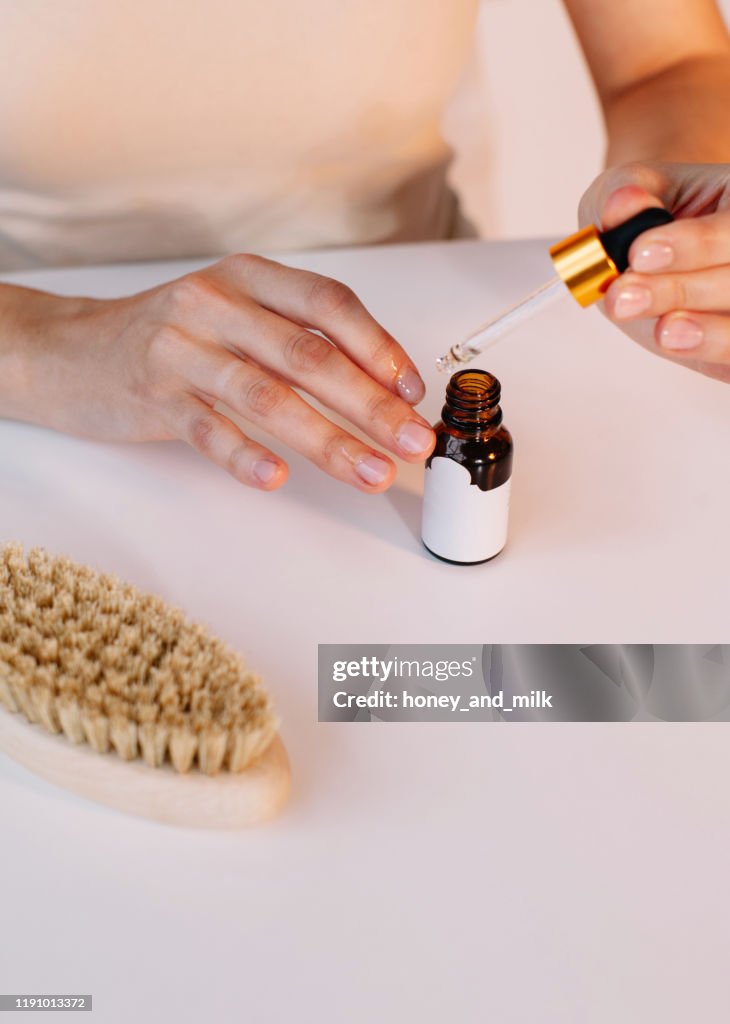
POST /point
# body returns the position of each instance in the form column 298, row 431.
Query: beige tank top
column 149, row 129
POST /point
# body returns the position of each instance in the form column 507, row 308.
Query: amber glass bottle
column 467, row 481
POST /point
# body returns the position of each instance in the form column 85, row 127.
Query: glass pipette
column 586, row 263
column 492, row 331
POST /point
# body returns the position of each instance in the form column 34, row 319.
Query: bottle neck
column 472, row 403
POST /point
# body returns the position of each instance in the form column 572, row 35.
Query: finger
column 625, row 203
column 331, row 307
column 621, row 192
column 219, row 439
column 703, row 337
column 641, row 295
column 687, row 244
column 312, row 363
column 267, row 401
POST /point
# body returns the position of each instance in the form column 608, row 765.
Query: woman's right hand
column 675, row 297
column 241, row 332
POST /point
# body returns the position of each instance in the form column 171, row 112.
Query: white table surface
column 459, row 872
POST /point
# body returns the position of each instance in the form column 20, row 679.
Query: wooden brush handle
column 226, row 800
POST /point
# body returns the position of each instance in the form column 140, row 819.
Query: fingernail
column 654, row 256
column 265, row 470
column 681, row 333
column 414, row 438
column 372, row 470
column 630, row 301
column 410, row 386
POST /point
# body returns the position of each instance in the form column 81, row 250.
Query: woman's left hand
column 675, row 297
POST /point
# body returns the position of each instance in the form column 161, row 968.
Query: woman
column 150, row 130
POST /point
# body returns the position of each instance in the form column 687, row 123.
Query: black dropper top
column 617, row 241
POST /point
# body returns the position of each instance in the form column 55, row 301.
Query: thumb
column 625, row 202
column 621, row 192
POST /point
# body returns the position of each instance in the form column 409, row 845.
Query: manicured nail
column 681, row 333
column 414, row 439
column 371, row 469
column 630, row 301
column 654, row 256
column 265, row 470
column 410, row 386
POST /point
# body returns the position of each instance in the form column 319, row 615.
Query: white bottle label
column 460, row 521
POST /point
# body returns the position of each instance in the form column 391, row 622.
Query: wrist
column 31, row 326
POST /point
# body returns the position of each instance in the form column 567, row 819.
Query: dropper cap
column 590, row 260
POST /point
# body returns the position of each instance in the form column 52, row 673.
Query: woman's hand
column 675, row 297
column 241, row 332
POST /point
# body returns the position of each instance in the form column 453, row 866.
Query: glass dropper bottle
column 467, row 476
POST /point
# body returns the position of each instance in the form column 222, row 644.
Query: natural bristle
column 95, row 659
